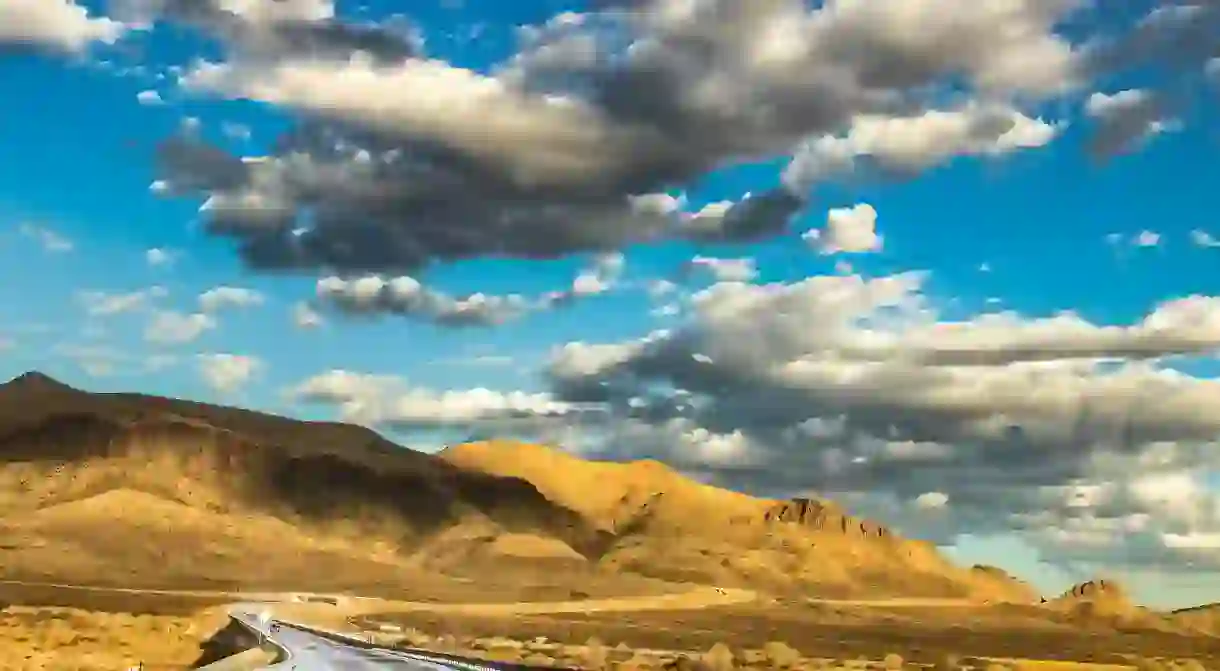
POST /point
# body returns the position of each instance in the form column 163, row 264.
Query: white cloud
column 176, row 328
column 158, row 257
column 596, row 280
column 727, row 270
column 54, row 24
column 149, row 97
column 222, row 298
column 94, row 360
column 101, row 360
column 1201, row 238
column 658, row 289
column 227, row 373
column 931, row 500
column 273, row 11
column 515, row 121
column 589, row 284
column 850, row 229
column 391, row 402
column 103, row 304
column 50, row 240
column 1147, row 239
column 336, row 387
column 305, row 317
column 405, row 295
column 913, row 143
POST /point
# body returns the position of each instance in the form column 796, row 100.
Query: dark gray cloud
column 1177, row 37
column 284, row 29
column 421, row 161
column 1125, row 120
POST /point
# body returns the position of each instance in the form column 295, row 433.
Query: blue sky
column 1038, row 230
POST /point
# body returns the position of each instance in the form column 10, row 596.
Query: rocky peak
column 1094, row 589
column 822, row 516
column 36, row 382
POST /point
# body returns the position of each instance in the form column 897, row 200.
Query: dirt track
column 693, row 599
column 701, row 597
column 697, row 598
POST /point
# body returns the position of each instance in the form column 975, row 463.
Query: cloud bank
column 573, row 144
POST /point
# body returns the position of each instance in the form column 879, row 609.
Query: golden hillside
column 1204, row 618
column 1106, row 603
column 117, row 488
column 668, row 526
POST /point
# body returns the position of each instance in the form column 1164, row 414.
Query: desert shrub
column 780, row 655
column 620, row 653
column 596, row 655
column 893, row 662
column 719, row 658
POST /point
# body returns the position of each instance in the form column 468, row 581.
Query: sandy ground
column 62, row 626
column 112, row 628
column 925, row 635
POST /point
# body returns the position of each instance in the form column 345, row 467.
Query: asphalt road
column 308, row 651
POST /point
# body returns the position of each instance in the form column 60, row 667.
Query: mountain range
column 137, row 489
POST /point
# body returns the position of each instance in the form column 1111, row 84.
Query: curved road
column 304, row 650
column 307, row 648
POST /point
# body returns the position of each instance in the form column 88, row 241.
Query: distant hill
column 671, row 527
column 1106, row 603
column 129, row 487
column 1204, row 618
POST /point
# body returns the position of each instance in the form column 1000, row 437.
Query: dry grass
column 816, row 636
column 53, row 628
column 168, row 631
column 594, row 655
column 72, row 639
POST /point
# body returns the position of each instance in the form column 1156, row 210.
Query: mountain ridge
column 343, row 486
